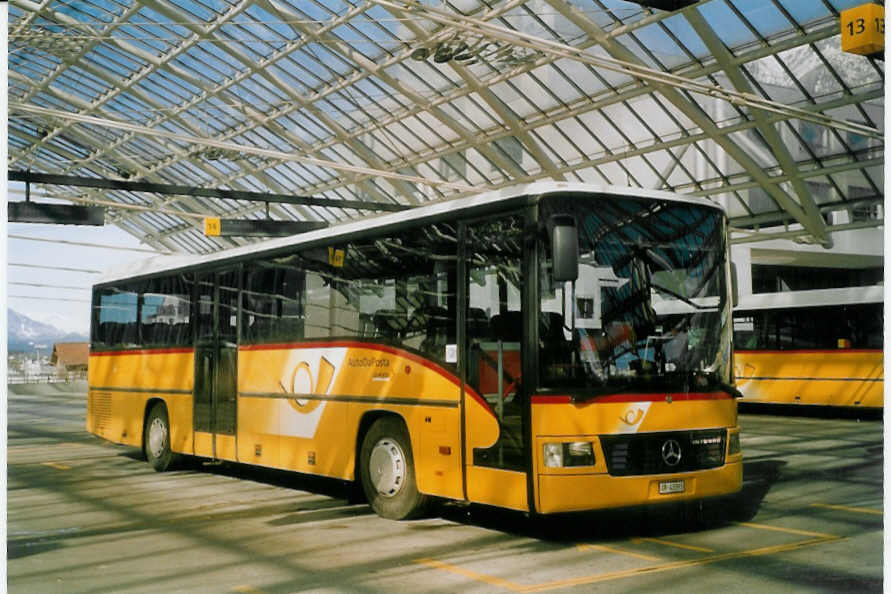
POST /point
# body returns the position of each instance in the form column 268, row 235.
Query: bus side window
column 273, row 302
column 164, row 314
column 117, row 318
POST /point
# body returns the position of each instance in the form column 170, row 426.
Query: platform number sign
column 212, row 226
column 335, row 257
column 863, row 29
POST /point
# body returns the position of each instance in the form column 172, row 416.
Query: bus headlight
column 733, row 446
column 565, row 454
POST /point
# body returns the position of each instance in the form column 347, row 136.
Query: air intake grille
column 662, row 453
column 100, row 411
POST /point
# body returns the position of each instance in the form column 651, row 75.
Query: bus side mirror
column 565, row 248
column 734, row 284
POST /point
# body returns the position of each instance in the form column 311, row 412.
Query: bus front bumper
column 580, row 492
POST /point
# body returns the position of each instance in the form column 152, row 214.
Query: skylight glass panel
column 656, row 40
column 627, row 125
column 686, row 36
column 200, row 11
column 805, row 13
column 774, row 80
column 763, row 16
column 754, row 147
column 116, row 63
column 151, row 31
column 856, row 71
column 726, row 24
column 320, row 12
column 307, row 126
column 306, row 66
column 266, row 95
column 79, row 84
column 331, row 61
column 609, row 76
column 556, row 84
column 283, row 71
column 841, row 5
column 240, row 42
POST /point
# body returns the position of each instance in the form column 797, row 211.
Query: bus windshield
column 649, row 310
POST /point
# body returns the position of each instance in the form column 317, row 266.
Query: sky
column 65, row 308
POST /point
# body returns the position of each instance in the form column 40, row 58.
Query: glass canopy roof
column 749, row 103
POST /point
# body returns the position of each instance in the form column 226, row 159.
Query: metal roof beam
column 808, row 214
column 172, row 189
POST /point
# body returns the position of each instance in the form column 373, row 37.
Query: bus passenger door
column 496, row 452
column 216, row 366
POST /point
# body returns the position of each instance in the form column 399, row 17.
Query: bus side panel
column 436, row 445
column 830, row 378
column 495, row 486
column 490, row 486
column 259, row 436
column 120, row 385
column 300, row 408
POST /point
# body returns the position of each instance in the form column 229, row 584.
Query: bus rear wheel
column 387, row 471
column 156, row 440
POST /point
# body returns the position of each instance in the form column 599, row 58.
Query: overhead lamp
column 55, row 214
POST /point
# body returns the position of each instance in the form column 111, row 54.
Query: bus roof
column 158, row 264
column 811, row 298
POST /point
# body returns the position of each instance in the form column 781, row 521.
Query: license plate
column 666, row 487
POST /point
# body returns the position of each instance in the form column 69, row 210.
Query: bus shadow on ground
column 672, row 518
column 16, row 548
column 623, row 523
column 811, row 411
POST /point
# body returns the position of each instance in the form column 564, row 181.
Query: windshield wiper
column 673, row 382
column 686, row 300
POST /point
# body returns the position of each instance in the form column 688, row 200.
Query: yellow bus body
column 566, row 489
column 303, row 407
column 844, row 377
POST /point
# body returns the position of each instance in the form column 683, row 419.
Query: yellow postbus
column 820, row 347
column 549, row 348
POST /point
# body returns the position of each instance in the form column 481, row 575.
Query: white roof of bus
column 812, row 298
column 172, row 262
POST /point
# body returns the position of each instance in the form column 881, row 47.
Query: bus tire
column 387, row 471
column 156, row 440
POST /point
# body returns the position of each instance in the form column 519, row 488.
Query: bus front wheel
column 388, row 473
column 156, row 441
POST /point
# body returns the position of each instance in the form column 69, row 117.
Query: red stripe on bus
column 374, row 347
column 164, row 351
column 675, row 397
column 356, row 345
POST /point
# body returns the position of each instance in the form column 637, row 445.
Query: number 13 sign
column 863, row 29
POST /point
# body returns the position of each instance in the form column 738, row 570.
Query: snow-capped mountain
column 23, row 333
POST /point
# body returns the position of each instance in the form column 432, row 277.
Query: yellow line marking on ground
column 480, row 577
column 615, row 575
column 671, row 543
column 676, row 565
column 788, row 530
column 247, row 589
column 860, row 510
column 594, row 547
column 56, row 465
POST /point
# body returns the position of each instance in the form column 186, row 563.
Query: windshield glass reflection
column 649, row 310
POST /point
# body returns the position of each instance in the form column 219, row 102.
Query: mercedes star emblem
column 671, row 452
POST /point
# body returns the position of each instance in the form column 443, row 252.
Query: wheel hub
column 157, row 438
column 387, row 467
